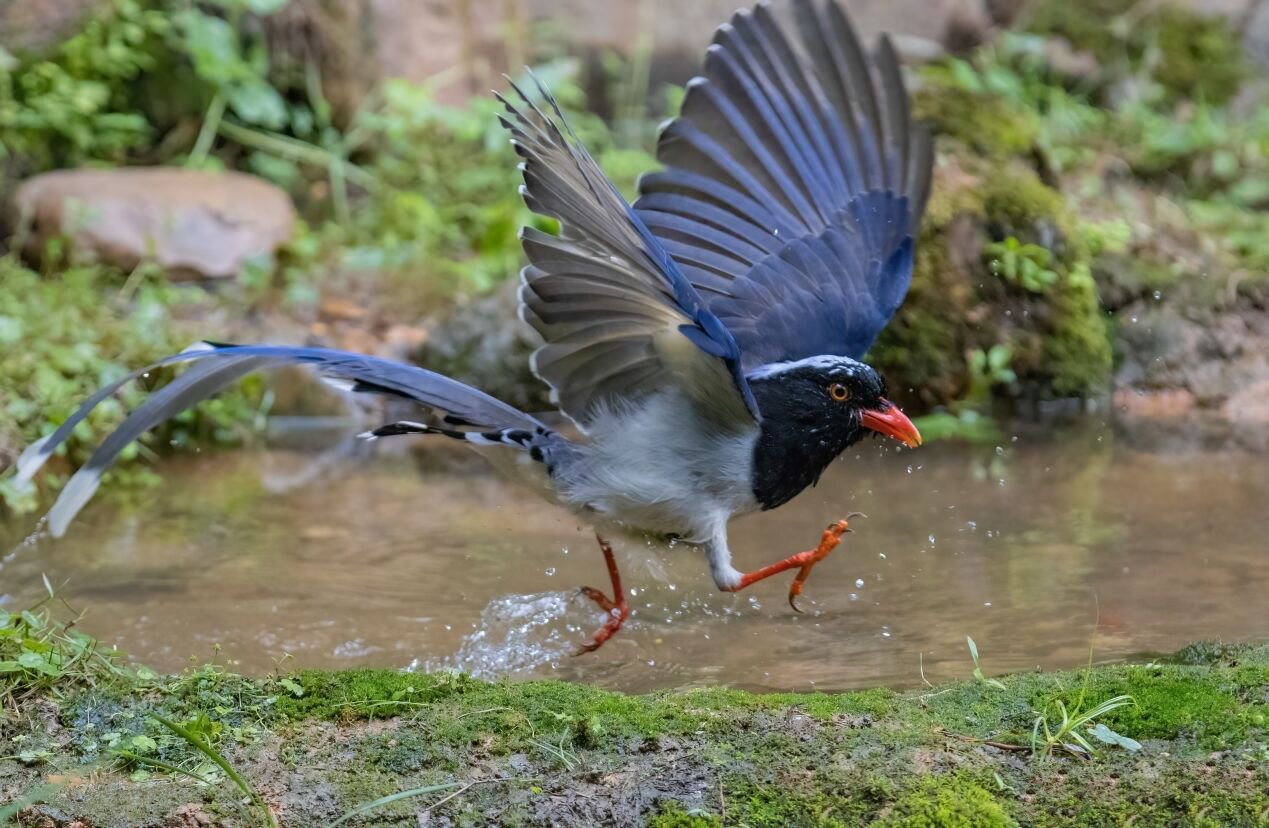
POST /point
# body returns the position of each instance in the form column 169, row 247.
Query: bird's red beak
column 892, row 422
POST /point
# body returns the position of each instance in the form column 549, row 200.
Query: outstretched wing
column 619, row 318
column 794, row 185
column 216, row 367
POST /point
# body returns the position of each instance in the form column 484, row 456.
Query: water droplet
column 1000, row 451
column 550, row 570
column 986, row 603
column 1133, row 319
column 881, row 555
column 885, row 632
column 859, row 583
column 854, row 596
column 931, row 539
column 973, row 525
column 1158, row 294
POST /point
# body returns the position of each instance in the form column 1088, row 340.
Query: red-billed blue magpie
column 706, row 340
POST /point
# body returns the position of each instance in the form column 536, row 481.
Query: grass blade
column 396, row 797
column 163, row 766
column 212, row 754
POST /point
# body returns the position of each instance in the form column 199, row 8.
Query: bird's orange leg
column 804, row 562
column 616, row 607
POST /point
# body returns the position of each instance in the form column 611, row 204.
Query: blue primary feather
column 793, row 186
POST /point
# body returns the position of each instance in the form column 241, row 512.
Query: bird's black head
column 813, row 410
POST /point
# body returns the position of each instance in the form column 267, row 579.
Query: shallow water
column 1039, row 549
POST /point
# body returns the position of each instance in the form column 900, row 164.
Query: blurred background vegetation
column 1101, row 204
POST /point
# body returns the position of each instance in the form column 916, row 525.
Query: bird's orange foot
column 804, row 562
column 616, row 607
column 618, row 611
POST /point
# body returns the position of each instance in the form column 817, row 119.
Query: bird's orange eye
column 839, row 392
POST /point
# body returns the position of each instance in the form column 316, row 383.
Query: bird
column 707, row 341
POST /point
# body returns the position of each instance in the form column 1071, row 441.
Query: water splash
column 516, row 634
column 39, row 533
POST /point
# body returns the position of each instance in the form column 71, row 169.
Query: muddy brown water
column 1040, row 549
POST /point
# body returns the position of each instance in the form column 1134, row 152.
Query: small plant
column 40, row 653
column 1063, row 733
column 197, row 732
column 1024, row 265
column 978, row 671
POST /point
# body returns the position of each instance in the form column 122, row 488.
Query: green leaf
column 265, row 6
column 143, row 744
column 293, row 686
column 1104, row 734
column 38, row 663
column 258, row 103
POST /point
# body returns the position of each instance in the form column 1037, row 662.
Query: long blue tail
column 215, row 366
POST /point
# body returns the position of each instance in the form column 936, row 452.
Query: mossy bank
column 316, row 746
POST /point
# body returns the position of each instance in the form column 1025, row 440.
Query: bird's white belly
column 657, row 468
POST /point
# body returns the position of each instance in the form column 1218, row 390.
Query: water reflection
column 1038, row 550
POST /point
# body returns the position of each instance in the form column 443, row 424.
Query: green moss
column 877, row 757
column 1200, row 56
column 985, row 123
column 1083, row 23
column 1077, row 353
column 672, row 815
column 1174, row 705
column 946, row 803
column 788, row 804
column 1191, row 55
column 1058, row 338
column 1016, row 203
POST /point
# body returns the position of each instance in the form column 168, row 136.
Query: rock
column 484, row 343
column 33, row 26
column 193, row 223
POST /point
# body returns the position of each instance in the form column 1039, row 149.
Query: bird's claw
column 828, row 542
column 605, row 603
column 617, row 611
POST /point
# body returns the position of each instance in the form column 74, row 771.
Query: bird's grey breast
column 659, row 465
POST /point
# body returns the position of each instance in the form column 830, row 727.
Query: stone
column 192, row 223
column 483, row 342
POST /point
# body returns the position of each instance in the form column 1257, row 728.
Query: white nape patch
column 822, row 362
column 199, row 347
column 339, row 383
column 368, row 436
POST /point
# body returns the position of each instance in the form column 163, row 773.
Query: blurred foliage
column 1102, row 158
column 65, row 335
column 408, row 201
column 1052, row 151
column 74, row 107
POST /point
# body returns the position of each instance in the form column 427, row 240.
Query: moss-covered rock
column 318, row 745
column 964, row 301
column 1190, row 55
column 947, row 803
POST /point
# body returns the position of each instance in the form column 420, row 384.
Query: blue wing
column 619, row 318
column 793, row 185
